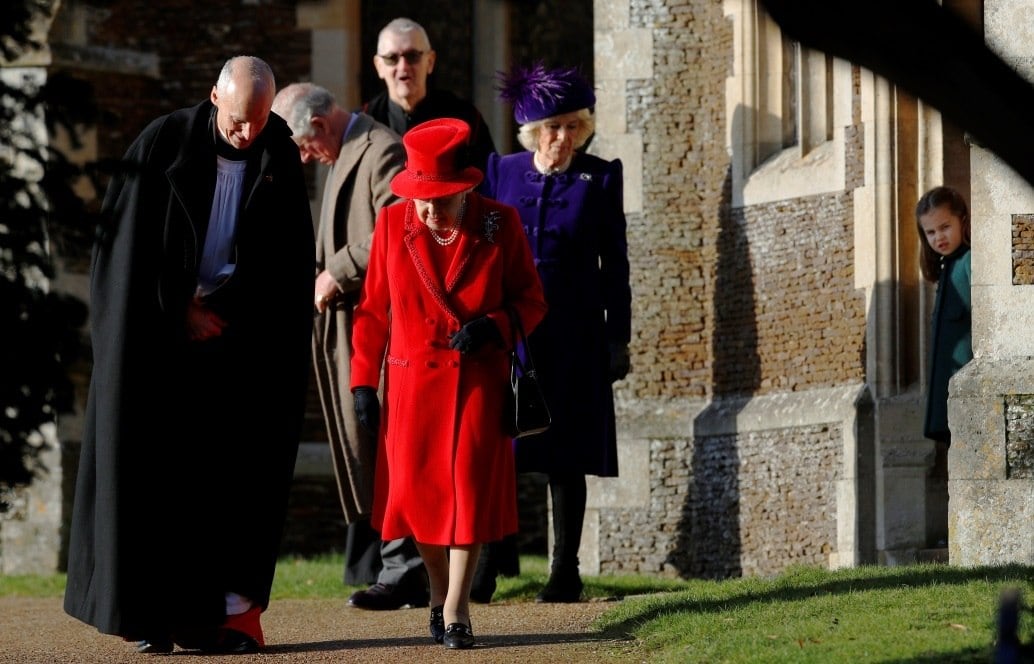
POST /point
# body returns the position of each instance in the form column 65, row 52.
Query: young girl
column 942, row 218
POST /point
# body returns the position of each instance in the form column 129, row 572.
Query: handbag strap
column 517, row 334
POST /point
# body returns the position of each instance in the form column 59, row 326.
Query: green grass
column 318, row 577
column 915, row 614
column 922, row 613
column 31, row 585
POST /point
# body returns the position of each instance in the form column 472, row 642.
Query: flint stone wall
column 733, row 487
column 991, row 416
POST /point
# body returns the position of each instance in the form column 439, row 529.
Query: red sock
column 247, row 623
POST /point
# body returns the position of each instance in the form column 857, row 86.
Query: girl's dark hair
column 930, row 260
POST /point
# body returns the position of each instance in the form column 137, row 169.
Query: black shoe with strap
column 458, row 636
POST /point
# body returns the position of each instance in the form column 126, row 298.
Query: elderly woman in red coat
column 446, row 265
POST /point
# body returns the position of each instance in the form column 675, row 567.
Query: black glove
column 475, row 334
column 367, row 408
column 620, row 362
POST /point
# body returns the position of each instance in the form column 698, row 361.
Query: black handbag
column 526, row 412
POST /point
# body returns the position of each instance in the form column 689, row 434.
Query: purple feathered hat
column 538, row 93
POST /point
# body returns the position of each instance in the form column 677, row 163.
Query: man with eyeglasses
column 403, row 61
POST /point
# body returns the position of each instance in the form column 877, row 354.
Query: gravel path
column 38, row 631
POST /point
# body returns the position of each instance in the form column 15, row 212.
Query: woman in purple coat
column 571, row 206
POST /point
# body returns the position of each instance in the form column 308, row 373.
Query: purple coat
column 575, row 224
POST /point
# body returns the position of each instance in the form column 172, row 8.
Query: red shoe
column 241, row 633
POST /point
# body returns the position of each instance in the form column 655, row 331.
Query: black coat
column 437, row 104
column 188, row 448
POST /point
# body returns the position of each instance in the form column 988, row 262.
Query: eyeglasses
column 411, row 57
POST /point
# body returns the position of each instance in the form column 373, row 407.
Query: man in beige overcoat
column 363, row 155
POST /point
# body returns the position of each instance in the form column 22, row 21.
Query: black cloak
column 188, row 448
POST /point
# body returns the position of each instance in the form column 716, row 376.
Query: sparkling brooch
column 490, row 225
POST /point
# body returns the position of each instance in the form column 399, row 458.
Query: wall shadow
column 709, row 541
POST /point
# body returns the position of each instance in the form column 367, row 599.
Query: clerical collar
column 224, row 149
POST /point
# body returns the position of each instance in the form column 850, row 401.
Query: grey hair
column 528, row 134
column 258, row 72
column 401, row 26
column 299, row 103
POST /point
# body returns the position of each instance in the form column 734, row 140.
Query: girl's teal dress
column 952, row 345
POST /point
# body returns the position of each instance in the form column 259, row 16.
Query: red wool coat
column 445, row 471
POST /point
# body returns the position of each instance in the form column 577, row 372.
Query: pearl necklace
column 454, row 232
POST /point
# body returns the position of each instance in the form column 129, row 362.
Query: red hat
column 434, row 161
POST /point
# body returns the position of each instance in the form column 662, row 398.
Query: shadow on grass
column 845, row 581
column 966, row 656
